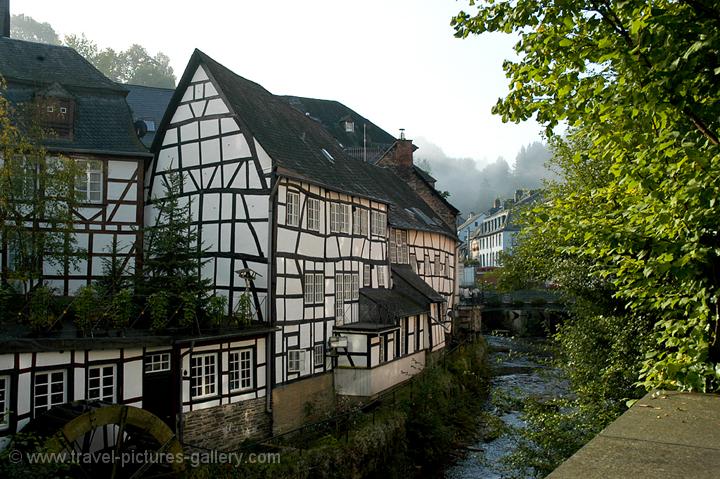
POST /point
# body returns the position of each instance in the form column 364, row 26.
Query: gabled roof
column 149, row 103
column 332, row 114
column 102, row 120
column 407, row 280
column 297, row 144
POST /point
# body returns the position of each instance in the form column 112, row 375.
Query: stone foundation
column 302, row 401
column 226, row 427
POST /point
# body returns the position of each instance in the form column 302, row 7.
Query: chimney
column 5, row 18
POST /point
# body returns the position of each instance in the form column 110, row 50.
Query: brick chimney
column 5, row 18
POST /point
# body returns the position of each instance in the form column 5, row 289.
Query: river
column 518, row 372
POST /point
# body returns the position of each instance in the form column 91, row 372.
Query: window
column 381, row 347
column 296, row 360
column 292, row 208
column 314, row 288
column 241, row 370
column 360, row 221
column 349, row 126
column 426, row 267
column 203, row 375
column 413, row 263
column 4, row 402
column 48, row 391
column 88, row 184
column 155, row 363
column 101, row 383
column 436, row 269
column 339, row 297
column 313, row 214
column 367, row 280
column 63, row 110
column 319, row 355
column 441, row 267
column 50, row 108
column 381, row 276
column 348, row 294
column 378, row 223
column 339, row 218
column 398, row 246
column 356, row 286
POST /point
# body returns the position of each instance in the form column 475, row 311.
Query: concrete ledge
column 664, row 435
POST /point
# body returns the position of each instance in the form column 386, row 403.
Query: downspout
column 270, row 302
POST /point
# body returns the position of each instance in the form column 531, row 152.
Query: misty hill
column 474, row 188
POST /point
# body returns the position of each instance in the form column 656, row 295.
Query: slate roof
column 103, row 123
column 149, row 103
column 407, row 280
column 296, row 143
column 331, row 114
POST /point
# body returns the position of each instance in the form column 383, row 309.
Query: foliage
column 88, row 308
column 121, row 308
column 159, row 306
column 37, row 197
column 243, row 312
column 173, row 257
column 26, row 28
column 216, row 309
column 636, row 82
column 27, row 443
column 134, row 65
column 40, row 308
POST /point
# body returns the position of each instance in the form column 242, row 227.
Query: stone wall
column 302, row 401
column 226, row 427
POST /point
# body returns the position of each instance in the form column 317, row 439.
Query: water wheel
column 138, row 442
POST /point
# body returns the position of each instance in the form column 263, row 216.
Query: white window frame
column 87, row 189
column 98, row 392
column 240, row 369
column 381, row 276
column 367, row 276
column 5, row 402
column 52, row 397
column 204, row 384
column 295, row 360
column 314, row 288
column 157, row 362
column 339, row 218
column 319, row 355
column 339, row 296
column 63, row 110
column 355, row 286
column 292, row 208
column 360, row 221
column 313, row 214
column 378, row 223
column 349, row 126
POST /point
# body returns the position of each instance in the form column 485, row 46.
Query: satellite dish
column 141, row 128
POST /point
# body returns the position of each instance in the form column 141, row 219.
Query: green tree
column 638, row 83
column 134, row 65
column 37, row 198
column 173, row 259
column 23, row 27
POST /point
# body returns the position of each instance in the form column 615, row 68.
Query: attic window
column 63, row 110
column 349, row 126
column 327, row 155
column 50, row 109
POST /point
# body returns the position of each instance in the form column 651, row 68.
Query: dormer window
column 349, row 126
column 56, row 111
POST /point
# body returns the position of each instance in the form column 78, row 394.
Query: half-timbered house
column 272, row 191
column 89, row 121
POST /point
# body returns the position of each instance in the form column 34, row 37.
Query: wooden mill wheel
column 121, row 432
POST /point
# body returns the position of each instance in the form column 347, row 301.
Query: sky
column 395, row 62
